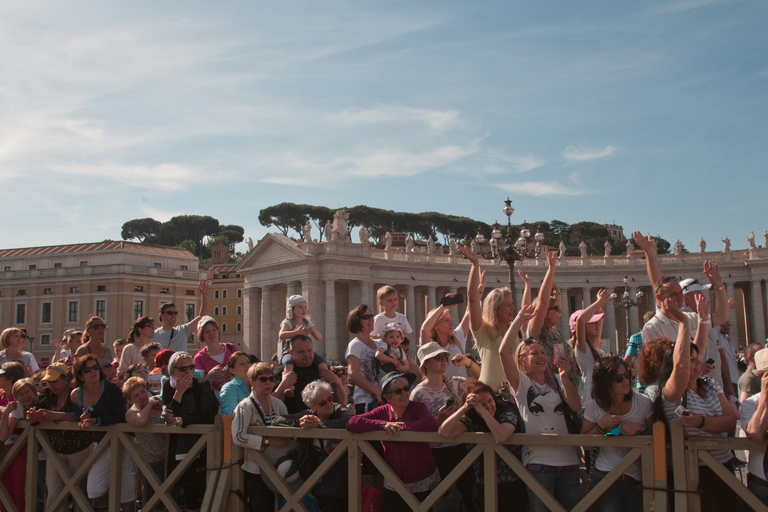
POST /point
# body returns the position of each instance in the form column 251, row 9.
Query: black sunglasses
column 399, row 391
column 89, row 369
column 171, row 313
column 264, row 378
column 668, row 279
column 323, row 403
column 366, row 317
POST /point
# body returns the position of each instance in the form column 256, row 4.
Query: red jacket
column 412, row 462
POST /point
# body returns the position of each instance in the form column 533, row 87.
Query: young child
column 390, row 356
column 9, row 373
column 296, row 323
column 25, row 392
column 118, row 346
column 387, row 297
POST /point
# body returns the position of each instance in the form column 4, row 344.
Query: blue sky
column 650, row 114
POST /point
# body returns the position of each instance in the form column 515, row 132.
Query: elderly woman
column 212, row 359
column 259, row 409
column 54, row 403
column 93, row 339
column 361, row 359
column 140, row 336
column 13, row 340
column 238, row 389
column 615, row 406
column 323, row 412
column 438, row 327
column 192, row 400
column 100, row 402
column 412, row 462
column 706, row 412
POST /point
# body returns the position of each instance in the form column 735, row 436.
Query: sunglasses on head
column 265, row 378
column 89, row 369
column 323, row 403
column 367, row 316
column 185, row 368
column 528, row 341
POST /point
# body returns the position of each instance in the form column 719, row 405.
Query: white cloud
column 541, row 188
column 167, row 177
column 503, row 162
column 439, row 120
column 575, row 154
column 685, row 5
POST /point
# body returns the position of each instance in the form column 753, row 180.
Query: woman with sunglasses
column 93, row 338
column 616, row 410
column 140, row 336
column 412, row 461
column 12, row 340
column 323, row 412
column 192, row 400
column 259, row 409
column 361, row 358
column 100, row 402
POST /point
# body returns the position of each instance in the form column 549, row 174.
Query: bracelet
column 701, row 425
column 705, row 322
column 717, row 289
column 599, row 430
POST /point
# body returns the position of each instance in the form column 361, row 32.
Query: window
column 156, row 265
column 7, row 268
column 21, row 313
column 138, row 288
column 101, row 308
column 101, row 288
column 45, row 316
column 138, row 309
column 72, row 307
column 190, row 311
column 239, row 310
column 239, row 327
column 183, row 267
column 165, row 290
column 21, row 293
column 239, row 293
column 216, row 294
column 48, row 291
column 33, row 267
column 57, row 265
column 237, row 275
column 74, row 289
column 83, row 263
column 223, row 294
column 191, row 292
column 45, row 339
column 223, row 327
column 216, row 311
column 224, row 310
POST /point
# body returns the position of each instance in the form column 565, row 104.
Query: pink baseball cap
column 575, row 318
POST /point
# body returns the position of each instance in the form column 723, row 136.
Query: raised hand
column 467, row 253
column 526, row 279
column 551, row 257
column 604, row 297
column 702, row 307
column 645, row 244
column 526, row 312
column 712, row 272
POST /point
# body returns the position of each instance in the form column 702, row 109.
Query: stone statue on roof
column 727, row 243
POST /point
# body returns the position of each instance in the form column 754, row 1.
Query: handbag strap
column 258, row 409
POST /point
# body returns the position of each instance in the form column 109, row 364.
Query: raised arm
column 452, row 426
column 203, row 287
column 429, row 323
column 648, row 246
column 508, row 344
column 702, row 330
column 721, row 313
column 603, row 299
column 757, row 428
column 678, row 381
column 473, row 294
column 545, row 291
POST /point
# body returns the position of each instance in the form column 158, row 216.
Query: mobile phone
column 450, row 402
column 88, row 410
column 450, row 301
column 682, row 411
column 710, row 361
column 558, row 351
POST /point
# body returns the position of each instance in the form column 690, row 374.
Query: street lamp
column 510, row 250
column 627, row 302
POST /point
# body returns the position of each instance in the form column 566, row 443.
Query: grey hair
column 310, row 392
column 392, row 384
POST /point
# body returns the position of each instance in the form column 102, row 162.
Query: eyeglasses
column 185, row 368
column 89, row 369
column 148, row 325
column 323, row 403
column 264, row 378
column 556, row 308
column 726, row 324
column 441, row 357
column 366, row 317
column 24, row 336
column 174, row 313
column 399, row 391
column 619, row 378
column 99, row 326
column 668, row 279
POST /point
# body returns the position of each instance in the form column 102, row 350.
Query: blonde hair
column 21, row 383
column 258, row 369
column 6, row 336
column 522, row 351
column 490, row 304
column 384, row 291
column 132, row 385
column 433, row 332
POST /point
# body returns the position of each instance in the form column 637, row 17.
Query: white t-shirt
column 609, row 457
column 380, row 320
column 27, row 358
column 461, row 338
column 586, row 362
column 542, row 412
column 367, row 367
column 179, row 341
column 747, row 410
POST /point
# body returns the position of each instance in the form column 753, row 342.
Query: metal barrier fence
column 225, row 479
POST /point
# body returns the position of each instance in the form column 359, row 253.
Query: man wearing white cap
column 754, row 421
column 175, row 338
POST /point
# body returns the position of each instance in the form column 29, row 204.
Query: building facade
column 225, row 301
column 50, row 289
column 337, row 276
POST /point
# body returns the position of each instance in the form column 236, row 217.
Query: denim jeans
column 562, row 482
column 625, row 495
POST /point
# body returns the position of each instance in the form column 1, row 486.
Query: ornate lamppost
column 510, row 250
column 627, row 302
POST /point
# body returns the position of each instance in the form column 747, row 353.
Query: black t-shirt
column 304, row 376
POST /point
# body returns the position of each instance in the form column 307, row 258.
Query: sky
column 652, row 115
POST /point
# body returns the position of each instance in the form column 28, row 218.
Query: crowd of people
column 521, row 375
